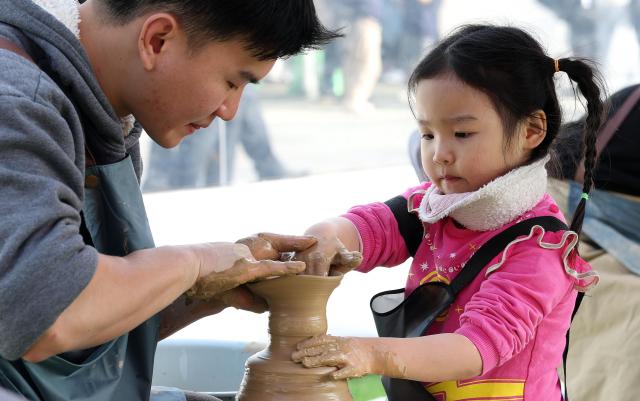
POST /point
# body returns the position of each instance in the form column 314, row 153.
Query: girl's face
column 463, row 141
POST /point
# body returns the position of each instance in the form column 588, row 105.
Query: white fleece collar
column 493, row 205
column 65, row 11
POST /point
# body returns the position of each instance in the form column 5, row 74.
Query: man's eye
column 462, row 134
column 427, row 136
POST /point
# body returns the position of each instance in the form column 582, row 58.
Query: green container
column 367, row 388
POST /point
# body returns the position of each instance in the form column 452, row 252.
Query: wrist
column 385, row 361
column 192, row 267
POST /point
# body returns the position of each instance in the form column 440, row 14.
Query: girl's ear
column 535, row 129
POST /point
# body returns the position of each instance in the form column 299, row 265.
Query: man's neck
column 97, row 38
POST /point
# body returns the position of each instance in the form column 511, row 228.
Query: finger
column 347, row 372
column 354, row 260
column 270, row 268
column 317, row 263
column 345, row 261
column 289, row 243
column 260, row 248
column 337, row 359
column 315, row 341
column 241, row 298
column 297, row 356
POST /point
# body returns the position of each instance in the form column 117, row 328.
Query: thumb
column 345, row 261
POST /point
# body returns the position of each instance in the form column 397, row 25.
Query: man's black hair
column 271, row 29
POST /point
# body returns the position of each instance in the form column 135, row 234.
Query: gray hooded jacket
column 47, row 117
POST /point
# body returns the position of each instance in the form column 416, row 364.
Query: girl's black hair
column 271, row 29
column 513, row 70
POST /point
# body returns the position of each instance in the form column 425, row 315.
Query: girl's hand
column 329, row 257
column 354, row 357
column 224, row 266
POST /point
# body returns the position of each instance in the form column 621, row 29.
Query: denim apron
column 613, row 222
column 120, row 370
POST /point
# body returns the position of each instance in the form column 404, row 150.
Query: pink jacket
column 516, row 312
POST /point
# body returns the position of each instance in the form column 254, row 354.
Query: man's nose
column 229, row 107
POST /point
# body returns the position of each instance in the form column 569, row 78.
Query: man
column 84, row 295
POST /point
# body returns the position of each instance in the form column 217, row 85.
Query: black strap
column 409, row 224
column 565, row 353
column 495, row 245
column 84, row 231
column 407, row 389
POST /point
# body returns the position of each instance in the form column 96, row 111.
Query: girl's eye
column 231, row 85
column 427, row 136
column 462, row 134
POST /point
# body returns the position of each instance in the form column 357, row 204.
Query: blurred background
column 331, row 129
column 345, row 108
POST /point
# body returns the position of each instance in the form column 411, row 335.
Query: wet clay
column 297, row 306
column 215, row 284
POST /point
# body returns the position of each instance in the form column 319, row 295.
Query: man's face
column 188, row 91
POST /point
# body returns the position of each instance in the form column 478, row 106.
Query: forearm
column 183, row 311
column 123, row 293
column 433, row 358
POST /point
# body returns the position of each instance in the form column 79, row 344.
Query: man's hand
column 329, row 257
column 354, row 357
column 270, row 246
column 241, row 298
column 224, row 266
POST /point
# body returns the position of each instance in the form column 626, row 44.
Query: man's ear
column 535, row 129
column 156, row 33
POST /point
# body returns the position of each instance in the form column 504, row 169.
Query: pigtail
column 591, row 86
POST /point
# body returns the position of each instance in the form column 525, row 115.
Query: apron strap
column 497, row 244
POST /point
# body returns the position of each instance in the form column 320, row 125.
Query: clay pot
column 297, row 306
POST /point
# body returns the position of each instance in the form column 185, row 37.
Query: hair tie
column 585, row 196
column 556, row 64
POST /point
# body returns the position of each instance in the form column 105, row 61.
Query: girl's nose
column 442, row 154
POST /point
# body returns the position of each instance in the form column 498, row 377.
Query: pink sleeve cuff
column 485, row 346
column 366, row 241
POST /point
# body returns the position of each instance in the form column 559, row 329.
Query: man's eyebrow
column 249, row 77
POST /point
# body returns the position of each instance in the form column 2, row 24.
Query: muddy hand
column 272, row 246
column 329, row 257
column 241, row 298
column 224, row 266
column 352, row 356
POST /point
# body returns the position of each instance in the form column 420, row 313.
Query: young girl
column 486, row 106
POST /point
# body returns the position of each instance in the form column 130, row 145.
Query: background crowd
column 363, row 75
